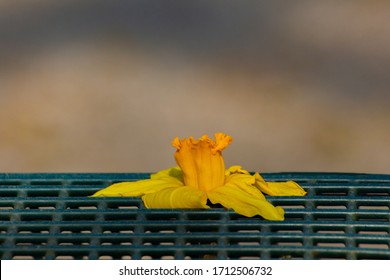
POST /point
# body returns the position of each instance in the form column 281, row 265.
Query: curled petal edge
column 289, row 188
column 245, row 203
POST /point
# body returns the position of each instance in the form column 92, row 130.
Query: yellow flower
column 200, row 177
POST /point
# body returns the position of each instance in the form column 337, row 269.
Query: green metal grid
column 50, row 216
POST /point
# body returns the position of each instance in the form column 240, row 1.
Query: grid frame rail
column 50, row 216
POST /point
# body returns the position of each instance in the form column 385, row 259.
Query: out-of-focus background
column 104, row 86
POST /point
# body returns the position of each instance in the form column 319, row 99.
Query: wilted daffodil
column 200, row 177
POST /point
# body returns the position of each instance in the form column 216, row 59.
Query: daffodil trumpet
column 201, row 177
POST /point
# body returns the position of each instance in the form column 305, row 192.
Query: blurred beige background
column 104, row 86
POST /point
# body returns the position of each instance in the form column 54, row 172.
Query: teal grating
column 50, row 216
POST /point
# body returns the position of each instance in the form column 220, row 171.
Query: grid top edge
column 269, row 175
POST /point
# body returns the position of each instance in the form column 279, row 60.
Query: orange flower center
column 201, row 161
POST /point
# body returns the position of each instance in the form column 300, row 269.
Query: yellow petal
column 235, row 169
column 246, row 202
column 173, row 174
column 137, row 188
column 245, row 182
column 289, row 188
column 176, row 197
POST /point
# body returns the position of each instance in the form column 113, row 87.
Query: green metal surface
column 50, row 216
